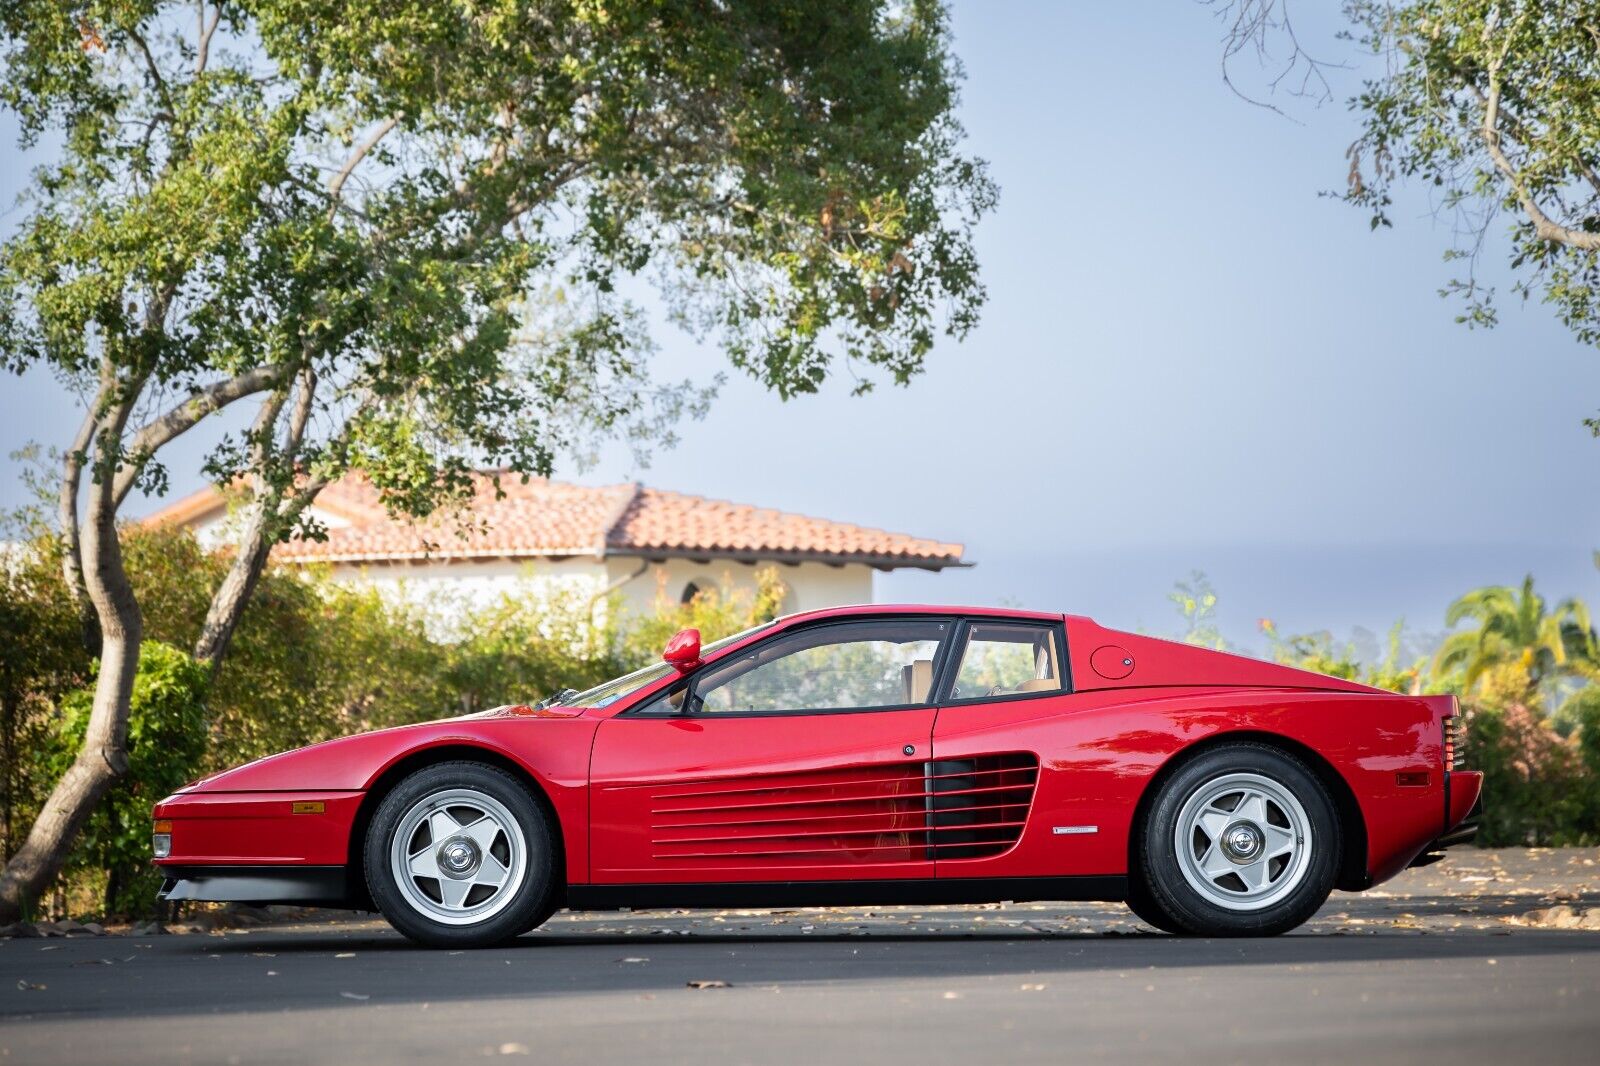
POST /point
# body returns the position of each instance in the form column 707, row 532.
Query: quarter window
column 850, row 666
column 1008, row 659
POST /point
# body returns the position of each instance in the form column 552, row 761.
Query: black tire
column 1300, row 891
column 1145, row 908
column 523, row 899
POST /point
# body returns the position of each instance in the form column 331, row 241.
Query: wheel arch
column 422, row 758
column 1353, row 874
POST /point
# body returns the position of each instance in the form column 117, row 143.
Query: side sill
column 307, row 886
column 1111, row 888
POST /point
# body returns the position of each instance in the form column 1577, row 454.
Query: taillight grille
column 1453, row 737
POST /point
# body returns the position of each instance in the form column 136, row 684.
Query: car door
column 800, row 758
column 995, row 777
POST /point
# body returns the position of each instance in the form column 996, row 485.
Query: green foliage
column 1196, row 600
column 716, row 612
column 41, row 654
column 166, row 741
column 524, row 647
column 419, row 217
column 1515, row 630
column 1497, row 107
column 1318, row 652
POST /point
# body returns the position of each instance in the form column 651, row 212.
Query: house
column 638, row 542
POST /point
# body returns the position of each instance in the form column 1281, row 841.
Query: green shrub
column 166, row 741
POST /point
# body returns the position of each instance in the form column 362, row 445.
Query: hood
column 1104, row 658
column 351, row 762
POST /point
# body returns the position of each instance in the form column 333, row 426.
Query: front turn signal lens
column 161, row 839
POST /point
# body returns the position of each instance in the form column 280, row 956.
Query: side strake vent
column 979, row 805
column 881, row 813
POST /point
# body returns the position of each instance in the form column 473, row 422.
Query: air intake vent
column 884, row 813
column 979, row 805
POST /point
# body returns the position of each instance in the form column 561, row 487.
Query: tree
column 401, row 233
column 1514, row 630
column 1196, row 600
column 1494, row 105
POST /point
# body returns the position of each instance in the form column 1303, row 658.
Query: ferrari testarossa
column 855, row 756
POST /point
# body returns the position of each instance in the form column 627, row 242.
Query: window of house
column 1008, row 659
column 847, row 666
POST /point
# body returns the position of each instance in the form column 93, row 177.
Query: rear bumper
column 1463, row 804
column 306, row 886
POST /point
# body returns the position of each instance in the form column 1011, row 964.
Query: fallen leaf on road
column 29, row 986
column 513, row 1049
column 709, row 984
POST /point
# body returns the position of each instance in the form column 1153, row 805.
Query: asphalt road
column 1447, row 965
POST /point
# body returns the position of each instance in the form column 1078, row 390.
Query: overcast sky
column 1189, row 360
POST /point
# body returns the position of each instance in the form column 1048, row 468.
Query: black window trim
column 943, row 653
column 947, row 679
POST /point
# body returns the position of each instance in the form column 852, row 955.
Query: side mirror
column 683, row 650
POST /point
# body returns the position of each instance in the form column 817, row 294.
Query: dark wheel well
column 1352, row 863
column 428, row 757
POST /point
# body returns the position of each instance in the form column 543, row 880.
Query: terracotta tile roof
column 545, row 518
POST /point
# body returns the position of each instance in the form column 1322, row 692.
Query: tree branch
column 1544, row 227
column 180, row 419
column 336, row 186
column 203, row 49
column 150, row 65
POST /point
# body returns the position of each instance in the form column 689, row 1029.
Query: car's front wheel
column 1241, row 841
column 459, row 854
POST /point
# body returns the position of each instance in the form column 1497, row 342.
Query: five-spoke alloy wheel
column 1242, row 840
column 459, row 854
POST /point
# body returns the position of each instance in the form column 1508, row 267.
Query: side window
column 849, row 666
column 1008, row 659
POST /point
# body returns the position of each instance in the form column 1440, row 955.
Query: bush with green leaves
column 166, row 743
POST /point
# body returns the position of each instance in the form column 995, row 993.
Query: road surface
column 1456, row 963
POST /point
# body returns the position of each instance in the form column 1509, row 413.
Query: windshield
column 619, row 688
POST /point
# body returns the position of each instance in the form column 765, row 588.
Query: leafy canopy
column 1493, row 106
column 412, row 227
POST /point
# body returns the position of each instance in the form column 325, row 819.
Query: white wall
column 444, row 589
column 811, row 585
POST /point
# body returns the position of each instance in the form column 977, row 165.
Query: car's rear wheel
column 459, row 854
column 1241, row 841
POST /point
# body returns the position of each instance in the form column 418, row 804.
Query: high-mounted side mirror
column 683, row 650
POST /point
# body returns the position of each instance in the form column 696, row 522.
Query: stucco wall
column 447, row 588
column 811, row 585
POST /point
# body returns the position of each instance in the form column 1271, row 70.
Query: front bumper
column 306, row 886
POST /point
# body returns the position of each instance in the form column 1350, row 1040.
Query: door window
column 1008, row 659
column 846, row 666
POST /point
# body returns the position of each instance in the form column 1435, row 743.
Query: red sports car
column 861, row 755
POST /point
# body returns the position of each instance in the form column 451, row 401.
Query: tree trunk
column 103, row 757
column 228, row 604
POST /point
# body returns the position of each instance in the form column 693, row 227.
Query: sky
column 1189, row 361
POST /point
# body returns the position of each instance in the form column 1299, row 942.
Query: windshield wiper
column 557, row 700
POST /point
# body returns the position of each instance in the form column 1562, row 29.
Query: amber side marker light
column 308, row 808
column 161, row 839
